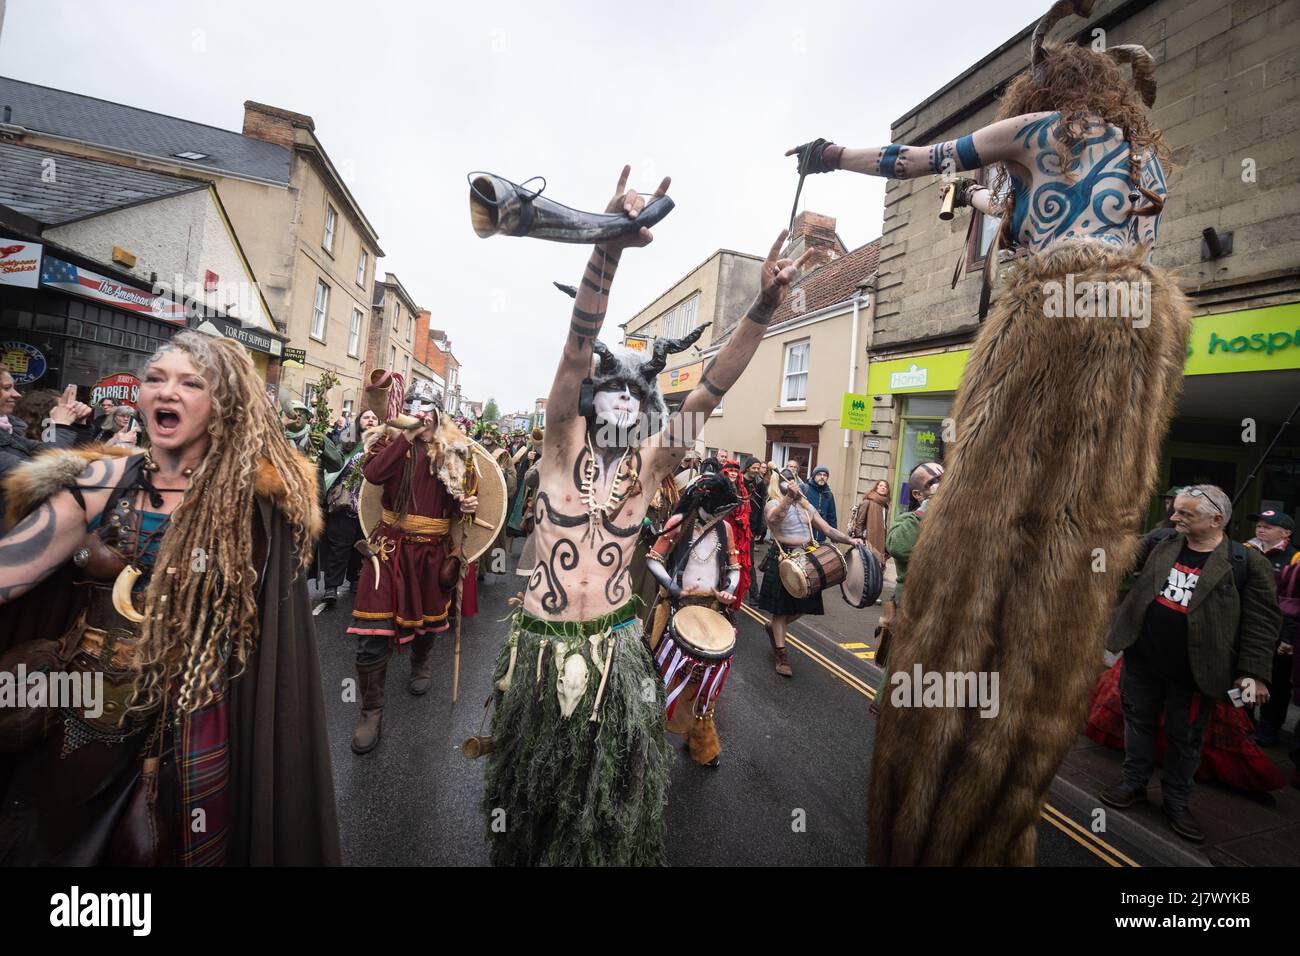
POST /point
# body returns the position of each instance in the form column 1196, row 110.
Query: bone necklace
column 619, row 489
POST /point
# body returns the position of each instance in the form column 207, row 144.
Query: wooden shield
column 472, row 537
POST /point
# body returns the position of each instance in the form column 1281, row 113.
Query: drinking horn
column 498, row 206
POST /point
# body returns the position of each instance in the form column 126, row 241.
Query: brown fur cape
column 1059, row 423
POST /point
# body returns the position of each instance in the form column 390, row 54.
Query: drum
column 805, row 573
column 694, row 659
column 863, row 578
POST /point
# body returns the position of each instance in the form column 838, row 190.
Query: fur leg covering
column 1059, row 424
column 703, row 741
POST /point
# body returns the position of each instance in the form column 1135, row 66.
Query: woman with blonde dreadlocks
column 175, row 576
column 1076, row 399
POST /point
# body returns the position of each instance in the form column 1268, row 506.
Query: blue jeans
column 1144, row 695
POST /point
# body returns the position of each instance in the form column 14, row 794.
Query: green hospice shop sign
column 855, row 412
column 1254, row 340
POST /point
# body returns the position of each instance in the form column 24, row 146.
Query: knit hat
column 821, row 470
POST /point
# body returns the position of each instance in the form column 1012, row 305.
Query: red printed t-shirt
column 1163, row 645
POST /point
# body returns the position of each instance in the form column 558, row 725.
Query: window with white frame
column 397, row 314
column 362, row 264
column 319, row 310
column 680, row 319
column 410, row 325
column 392, row 358
column 331, row 220
column 794, row 382
column 354, row 334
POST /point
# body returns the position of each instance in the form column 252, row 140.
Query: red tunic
column 409, row 600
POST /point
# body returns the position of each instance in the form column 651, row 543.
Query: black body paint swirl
column 611, row 555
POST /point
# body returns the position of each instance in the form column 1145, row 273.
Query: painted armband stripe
column 967, row 154
column 889, row 160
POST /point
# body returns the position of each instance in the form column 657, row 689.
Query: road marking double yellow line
column 1079, row 834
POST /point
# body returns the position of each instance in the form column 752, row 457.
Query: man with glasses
column 1201, row 619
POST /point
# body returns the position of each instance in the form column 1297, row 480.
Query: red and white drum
column 694, row 659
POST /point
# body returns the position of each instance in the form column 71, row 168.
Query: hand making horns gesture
column 777, row 274
column 630, row 203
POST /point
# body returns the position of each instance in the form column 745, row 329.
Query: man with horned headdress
column 579, row 769
column 1076, row 404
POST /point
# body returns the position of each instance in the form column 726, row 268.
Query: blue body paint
column 888, row 160
column 967, row 155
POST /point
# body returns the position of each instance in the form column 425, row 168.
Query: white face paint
column 616, row 407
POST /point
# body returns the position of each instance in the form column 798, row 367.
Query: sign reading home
column 912, row 378
column 57, row 274
column 20, row 263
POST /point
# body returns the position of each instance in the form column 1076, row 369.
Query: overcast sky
column 410, row 96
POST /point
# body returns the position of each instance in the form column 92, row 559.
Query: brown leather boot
column 371, row 678
column 421, row 665
column 783, row 663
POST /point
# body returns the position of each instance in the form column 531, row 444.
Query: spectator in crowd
column 756, row 485
column 922, row 484
column 339, row 556
column 1211, row 627
column 34, row 408
column 819, row 495
column 15, row 444
column 870, row 519
column 1272, row 539
column 1167, row 499
column 126, row 432
column 105, row 407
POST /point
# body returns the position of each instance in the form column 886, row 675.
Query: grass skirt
column 573, row 791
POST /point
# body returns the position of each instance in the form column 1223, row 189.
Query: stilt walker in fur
column 578, row 764
column 1072, row 401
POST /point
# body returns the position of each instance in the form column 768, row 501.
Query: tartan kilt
column 775, row 599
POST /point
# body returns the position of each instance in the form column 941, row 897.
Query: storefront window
column 920, row 436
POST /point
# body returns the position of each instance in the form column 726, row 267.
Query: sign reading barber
column 123, row 388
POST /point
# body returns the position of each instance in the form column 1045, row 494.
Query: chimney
column 814, row 231
column 272, row 124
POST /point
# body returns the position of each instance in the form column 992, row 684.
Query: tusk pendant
column 126, row 579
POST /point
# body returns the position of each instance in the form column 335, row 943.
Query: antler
column 1144, row 69
column 664, row 347
column 608, row 363
column 1060, row 10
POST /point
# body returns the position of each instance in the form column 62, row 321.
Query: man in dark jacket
column 1272, row 539
column 820, row 496
column 756, row 484
column 1191, row 629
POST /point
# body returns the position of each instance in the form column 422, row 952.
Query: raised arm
column 35, row 547
column 589, row 307
column 1003, row 141
column 669, row 446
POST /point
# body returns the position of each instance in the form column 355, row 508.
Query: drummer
column 696, row 562
column 791, row 521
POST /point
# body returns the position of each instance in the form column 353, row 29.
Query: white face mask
column 618, row 408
